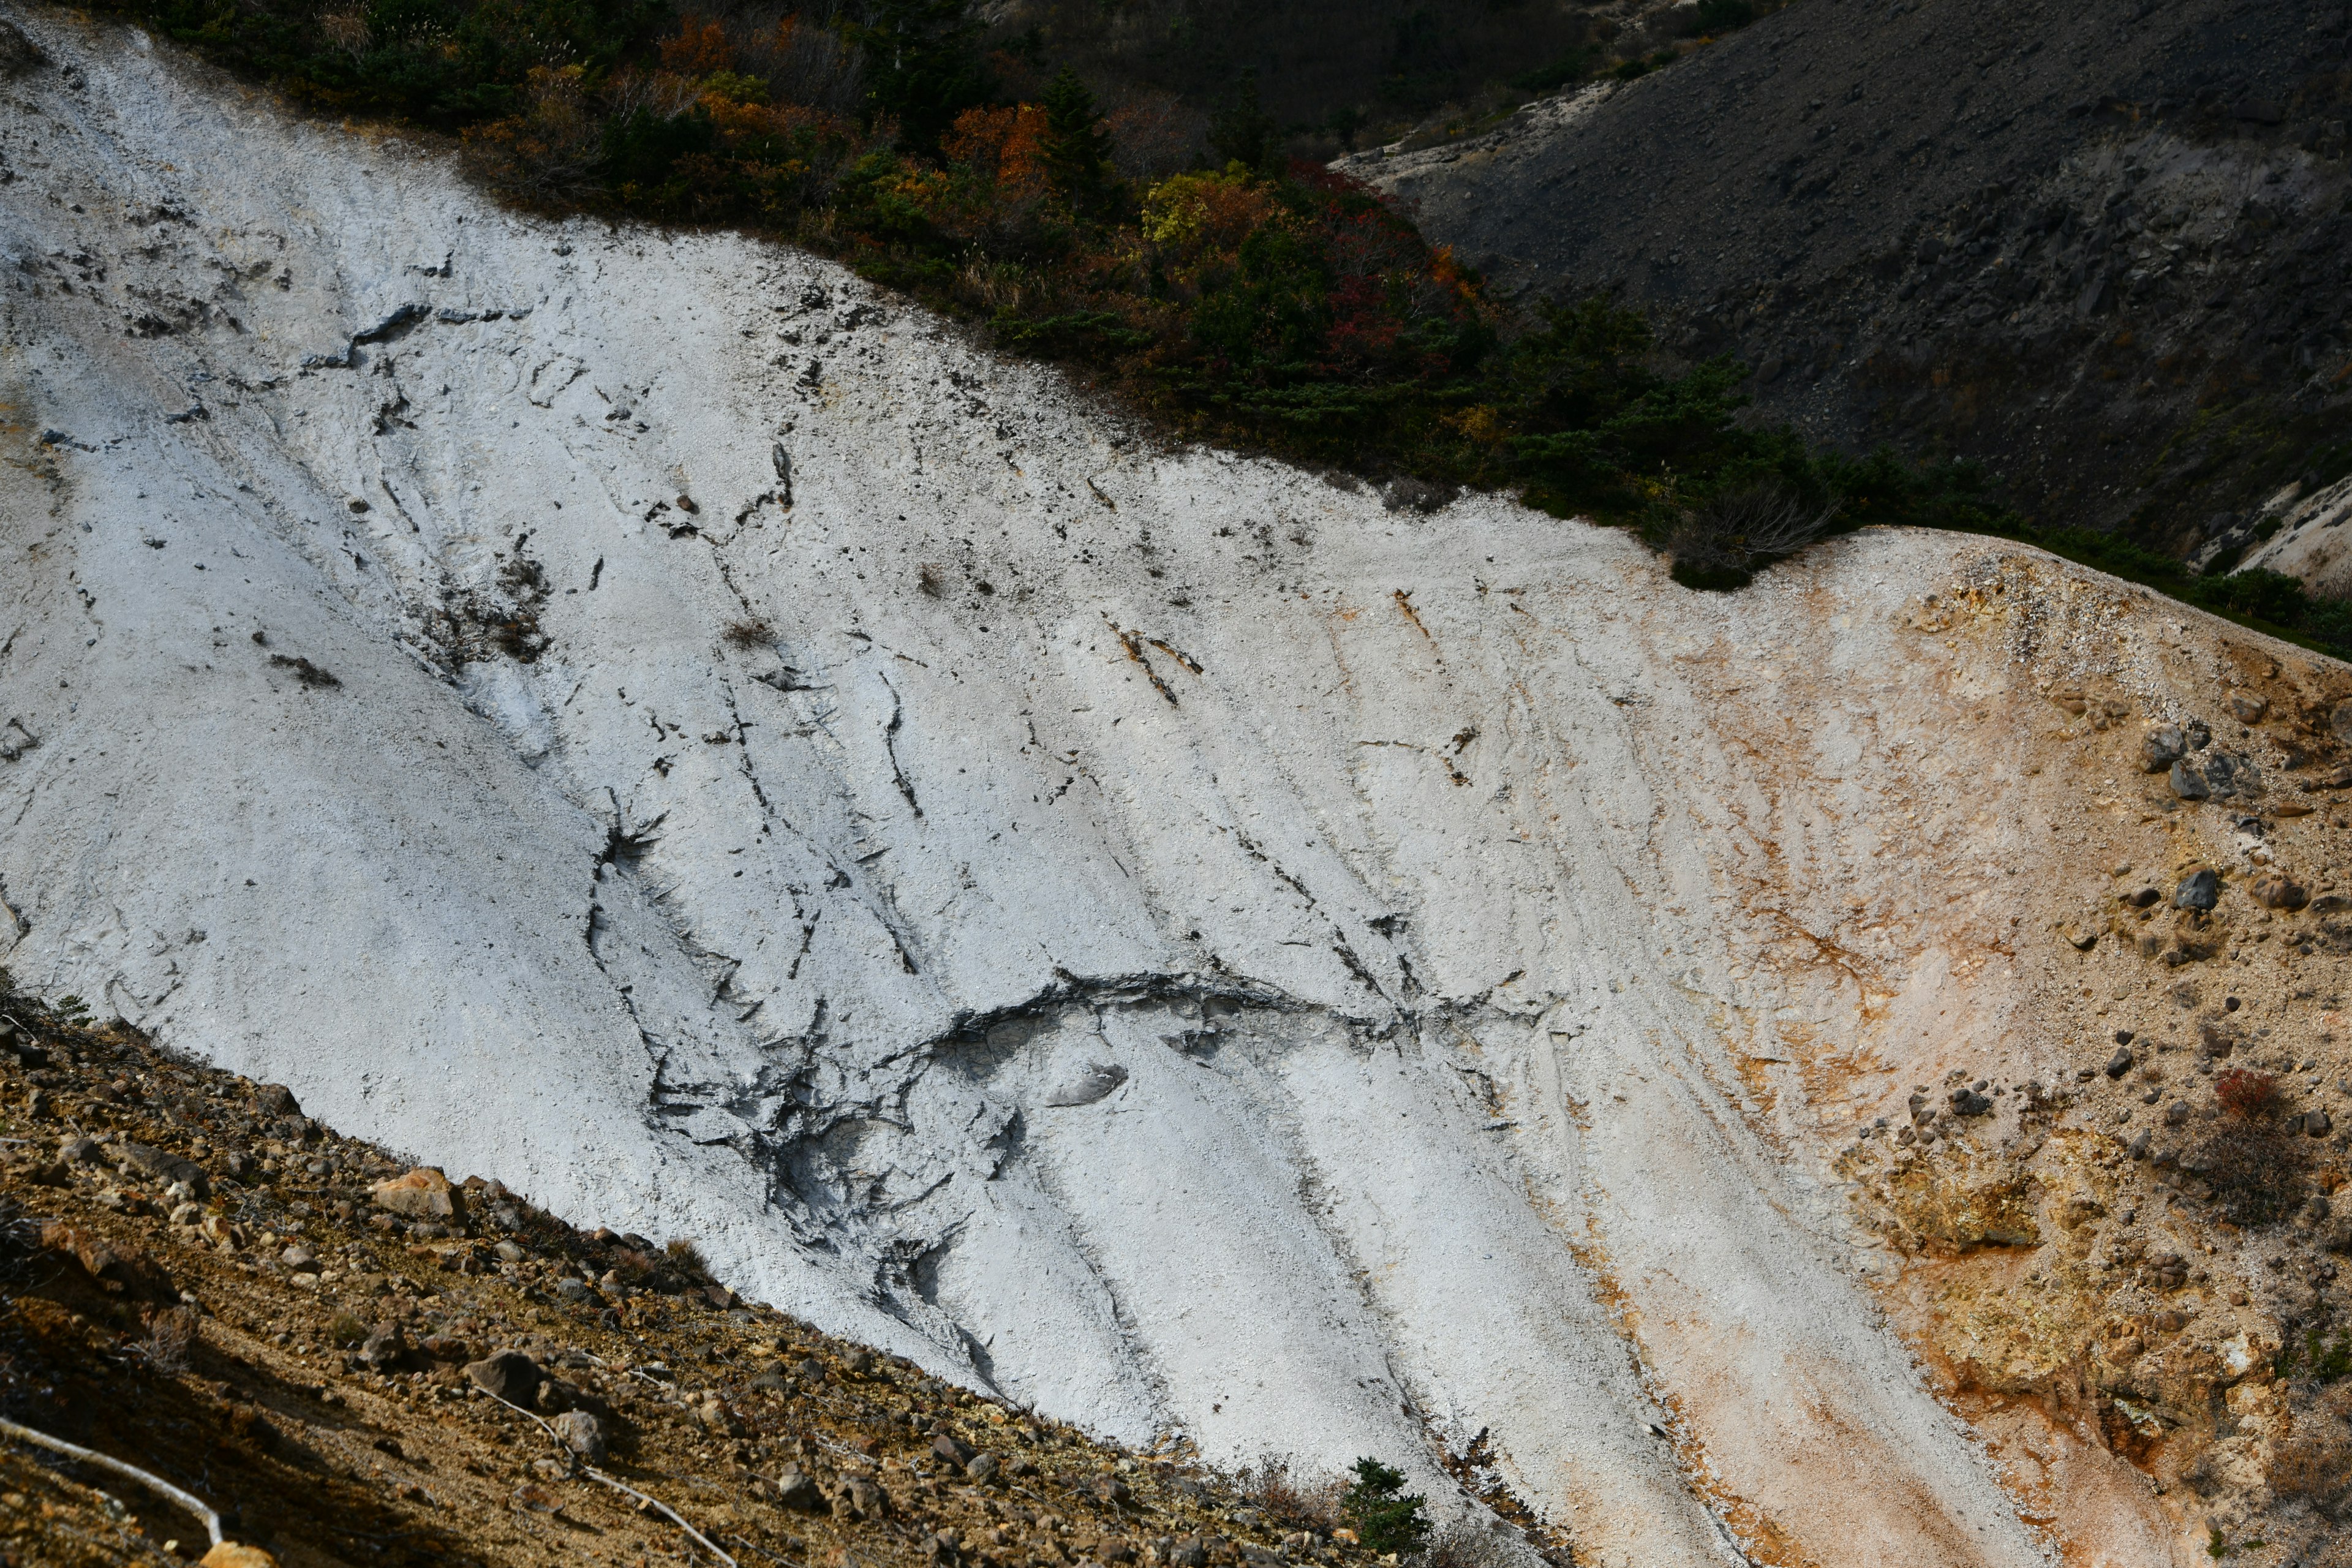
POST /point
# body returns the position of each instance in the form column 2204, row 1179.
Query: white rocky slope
column 643, row 717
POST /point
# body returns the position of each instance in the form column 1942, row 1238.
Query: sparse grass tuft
column 750, row 633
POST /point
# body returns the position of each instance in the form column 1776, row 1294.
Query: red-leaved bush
column 2247, row 1095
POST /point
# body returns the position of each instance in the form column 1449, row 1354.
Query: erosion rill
column 1150, row 935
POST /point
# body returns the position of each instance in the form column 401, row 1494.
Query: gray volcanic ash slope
column 646, row 718
column 2101, row 247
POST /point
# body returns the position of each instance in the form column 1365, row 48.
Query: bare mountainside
column 1156, row 934
column 2100, row 248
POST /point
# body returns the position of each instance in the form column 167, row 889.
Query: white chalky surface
column 1432, row 881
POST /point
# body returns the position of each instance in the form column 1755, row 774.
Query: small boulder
column 797, row 1492
column 982, row 1469
column 276, row 1100
column 2161, row 747
column 2249, row 710
column 2188, row 783
column 386, row 1349
column 951, row 1450
column 229, row 1554
column 423, row 1193
column 860, row 1499
column 582, row 1433
column 2317, row 1123
column 509, row 1376
column 1096, row 1081
column 160, row 1167
column 2277, row 890
column 2200, row 890
column 128, row 1274
column 2120, row 1063
column 2177, row 1113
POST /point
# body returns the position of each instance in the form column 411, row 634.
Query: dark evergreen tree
column 923, row 65
column 1077, row 146
column 1386, row 1517
column 1242, row 131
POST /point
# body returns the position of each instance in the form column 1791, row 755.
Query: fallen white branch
column 153, row 1483
column 572, row 1461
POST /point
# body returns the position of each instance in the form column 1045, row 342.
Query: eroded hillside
column 1203, row 949
column 2098, row 249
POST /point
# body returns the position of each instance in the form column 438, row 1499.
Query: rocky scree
column 345, row 1355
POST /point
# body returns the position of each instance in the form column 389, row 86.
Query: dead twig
column 593, row 1473
column 574, row 1468
column 152, row 1482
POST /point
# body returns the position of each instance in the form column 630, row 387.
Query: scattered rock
column 159, row 1166
column 81, row 1152
column 2120, row 1063
column 422, row 1193
column 2250, row 709
column 276, row 1100
column 386, row 1349
column 2317, row 1123
column 2161, row 747
column 796, row 1491
column 532, row 1497
column 2188, row 784
column 1969, row 1102
column 2200, row 890
column 1098, row 1081
column 860, row 1499
column 2277, row 890
column 2177, row 1113
column 229, row 1554
column 128, row 1274
column 954, row 1451
column 509, row 1376
column 2340, row 723
column 582, row 1433
column 982, row 1469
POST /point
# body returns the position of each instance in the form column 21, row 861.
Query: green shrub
column 1553, row 77
column 1386, row 1517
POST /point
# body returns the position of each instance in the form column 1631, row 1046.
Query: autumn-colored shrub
column 2247, row 1095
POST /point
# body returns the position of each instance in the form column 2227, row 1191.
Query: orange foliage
column 700, row 48
column 1004, row 145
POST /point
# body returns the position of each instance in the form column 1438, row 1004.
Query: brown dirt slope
column 200, row 1280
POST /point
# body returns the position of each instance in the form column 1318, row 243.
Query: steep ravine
column 645, row 717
